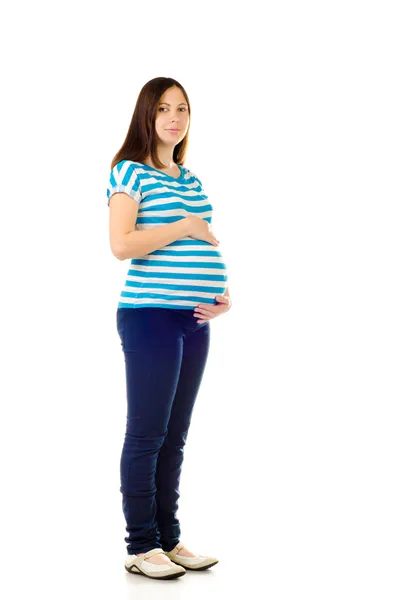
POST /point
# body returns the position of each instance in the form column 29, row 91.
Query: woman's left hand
column 209, row 311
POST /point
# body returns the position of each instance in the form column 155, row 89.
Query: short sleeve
column 124, row 178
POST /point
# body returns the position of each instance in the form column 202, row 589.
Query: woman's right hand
column 199, row 229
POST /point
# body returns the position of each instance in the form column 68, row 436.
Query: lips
column 173, row 130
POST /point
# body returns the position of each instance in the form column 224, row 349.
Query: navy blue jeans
column 165, row 352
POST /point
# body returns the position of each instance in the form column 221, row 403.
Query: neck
column 165, row 154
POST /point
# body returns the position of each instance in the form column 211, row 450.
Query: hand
column 210, row 311
column 200, row 229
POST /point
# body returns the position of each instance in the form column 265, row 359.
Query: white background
column 290, row 467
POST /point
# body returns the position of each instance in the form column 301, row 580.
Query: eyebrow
column 170, row 104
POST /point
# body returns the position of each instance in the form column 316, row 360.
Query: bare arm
column 128, row 242
column 141, row 242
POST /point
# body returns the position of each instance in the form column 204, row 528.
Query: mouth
column 173, row 130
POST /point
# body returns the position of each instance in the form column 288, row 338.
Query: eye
column 165, row 108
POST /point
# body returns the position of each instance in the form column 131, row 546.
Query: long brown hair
column 140, row 141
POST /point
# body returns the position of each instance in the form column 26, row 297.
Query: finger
column 200, row 312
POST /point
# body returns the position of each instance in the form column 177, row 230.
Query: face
column 172, row 112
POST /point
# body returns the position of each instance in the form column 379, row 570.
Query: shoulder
column 125, row 166
column 190, row 174
column 124, row 178
column 124, row 172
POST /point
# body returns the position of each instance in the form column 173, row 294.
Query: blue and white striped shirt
column 186, row 272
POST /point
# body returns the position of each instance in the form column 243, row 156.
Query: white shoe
column 196, row 563
column 139, row 565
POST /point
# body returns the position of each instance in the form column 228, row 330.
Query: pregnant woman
column 160, row 219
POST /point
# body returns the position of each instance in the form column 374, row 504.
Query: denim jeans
column 165, row 352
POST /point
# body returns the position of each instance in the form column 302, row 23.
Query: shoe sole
column 139, row 572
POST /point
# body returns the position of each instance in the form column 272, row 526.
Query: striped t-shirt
column 186, row 272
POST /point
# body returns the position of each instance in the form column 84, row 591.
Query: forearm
column 142, row 242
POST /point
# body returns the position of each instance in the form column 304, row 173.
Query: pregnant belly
column 191, row 271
